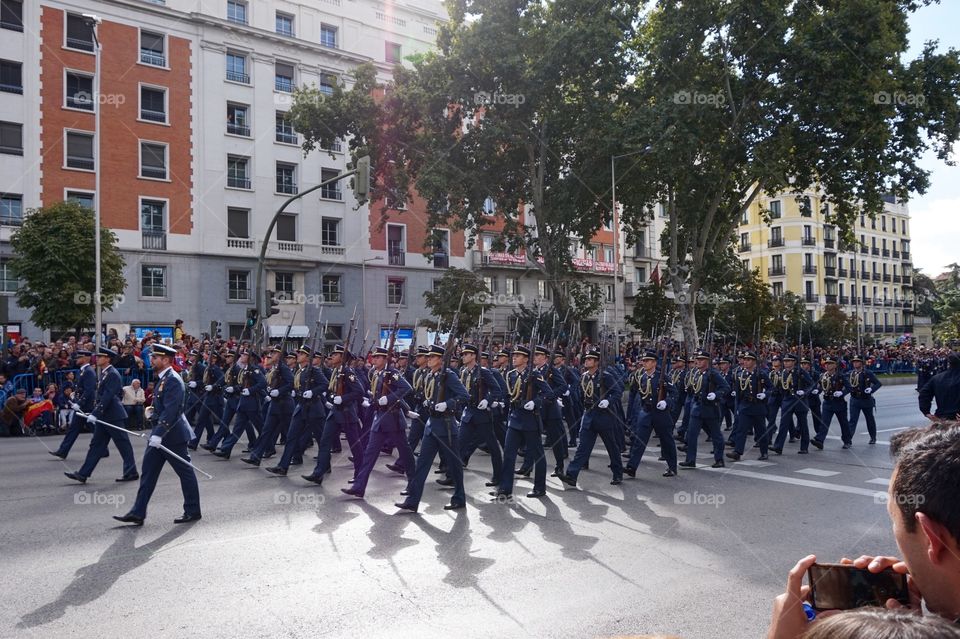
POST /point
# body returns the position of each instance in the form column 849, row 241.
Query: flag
column 655, row 274
column 35, row 410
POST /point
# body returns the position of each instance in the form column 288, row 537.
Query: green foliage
column 947, row 306
column 54, row 259
column 652, row 310
column 834, row 328
column 455, row 284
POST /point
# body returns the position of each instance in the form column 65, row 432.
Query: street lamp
column 615, row 222
column 92, row 21
column 363, row 293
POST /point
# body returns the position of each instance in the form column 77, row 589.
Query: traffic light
column 362, row 179
column 273, row 307
column 251, row 317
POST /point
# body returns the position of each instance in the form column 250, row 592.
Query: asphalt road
column 699, row 555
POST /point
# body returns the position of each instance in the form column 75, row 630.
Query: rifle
column 353, row 320
column 528, row 390
column 413, row 345
column 664, row 363
column 448, row 352
column 393, row 334
column 286, row 335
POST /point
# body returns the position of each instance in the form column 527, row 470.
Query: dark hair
column 878, row 623
column 928, row 475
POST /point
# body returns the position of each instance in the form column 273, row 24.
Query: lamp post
column 615, row 222
column 363, row 293
column 93, row 21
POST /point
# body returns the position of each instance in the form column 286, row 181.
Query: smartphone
column 843, row 587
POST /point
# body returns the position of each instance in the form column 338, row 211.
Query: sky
column 935, row 216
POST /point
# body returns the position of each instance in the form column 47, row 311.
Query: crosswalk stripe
column 817, row 472
column 877, row 495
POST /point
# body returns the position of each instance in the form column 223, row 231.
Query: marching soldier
column 706, row 385
column 84, row 398
column 552, row 411
column 476, row 424
column 774, row 397
column 750, row 388
column 795, row 384
column 195, row 384
column 813, row 397
column 653, row 396
column 169, row 428
column 727, row 403
column 279, row 391
column 834, row 389
column 251, row 384
column 107, row 408
column 678, row 379
column 443, row 393
column 571, row 400
column 231, row 399
column 309, row 382
column 501, row 409
column 862, row 384
column 598, row 389
column 211, row 402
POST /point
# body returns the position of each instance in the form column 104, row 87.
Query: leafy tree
column 748, row 304
column 834, row 328
column 788, row 313
column 947, row 305
column 925, row 290
column 652, row 310
column 444, row 300
column 54, row 258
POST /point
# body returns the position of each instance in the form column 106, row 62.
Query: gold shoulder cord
column 333, row 379
column 855, row 379
column 375, row 382
column 586, row 385
column 429, row 384
column 515, row 388
column 646, row 389
column 270, row 376
column 466, row 378
column 825, row 381
column 296, row 379
column 696, row 381
column 786, row 380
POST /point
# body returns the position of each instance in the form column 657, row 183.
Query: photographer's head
column 925, row 512
column 878, row 623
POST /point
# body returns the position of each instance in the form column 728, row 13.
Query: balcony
column 876, row 277
column 148, row 56
column 775, row 242
column 289, row 247
column 844, row 300
column 396, row 258
column 154, row 240
column 240, row 243
column 493, row 258
column 155, row 172
column 287, row 187
column 907, row 328
column 809, row 269
column 896, row 279
column 238, row 76
column 153, row 116
column 908, row 304
column 842, row 272
column 828, row 243
column 283, row 84
column 864, row 250
column 885, row 252
column 830, row 299
column 878, row 301
column 887, row 328
column 331, row 249
column 809, row 241
column 238, row 182
column 811, row 298
column 907, row 280
column 830, row 271
column 896, row 253
column 82, row 45
column 854, row 300
column 868, row 328
column 865, row 275
column 80, row 101
column 886, row 277
column 905, row 256
column 745, row 247
column 776, row 271
column 238, row 129
column 875, row 251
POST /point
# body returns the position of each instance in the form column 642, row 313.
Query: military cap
column 435, row 350
column 649, row 354
column 469, row 348
column 521, row 350
column 379, row 351
column 592, row 353
column 109, row 352
column 540, row 349
column 161, row 349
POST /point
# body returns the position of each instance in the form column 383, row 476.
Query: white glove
column 329, row 405
column 74, row 406
column 307, row 394
column 245, row 392
column 815, row 391
column 293, row 393
column 365, row 403
column 441, row 407
column 91, row 419
column 560, row 403
column 426, row 402
column 208, row 387
column 711, row 396
column 155, row 441
column 662, row 405
column 229, row 389
column 482, row 404
column 761, row 395
column 338, row 400
column 192, row 384
column 268, row 398
column 566, row 393
column 413, row 415
column 148, row 412
column 383, row 400
column 529, row 405
column 868, row 390
column 274, row 393
column 733, row 393
column 801, row 393
column 838, row 393
column 603, row 403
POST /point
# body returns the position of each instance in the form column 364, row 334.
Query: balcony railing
column 842, row 272
column 886, row 277
column 907, row 328
column 441, row 260
column 238, row 76
column 876, row 277
column 776, row 271
column 238, row 129
column 239, row 243
column 238, row 182
column 287, row 188
column 331, row 249
column 153, row 116
column 854, row 300
column 290, row 247
column 905, row 256
column 809, row 269
column 907, row 280
column 896, row 279
column 828, row 242
column 830, row 271
column 11, row 88
column 864, row 250
column 809, row 241
column 885, row 252
column 155, row 172
column 745, row 247
column 80, row 101
column 811, row 298
column 896, row 253
column 865, row 275
column 775, row 242
column 283, row 84
column 153, row 58
column 888, row 328
column 868, row 328
column 286, row 137
column 396, row 258
column 77, row 43
column 830, row 299
column 154, row 240
column 844, row 300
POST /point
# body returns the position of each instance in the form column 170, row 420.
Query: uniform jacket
column 168, row 420
column 109, row 404
column 391, row 384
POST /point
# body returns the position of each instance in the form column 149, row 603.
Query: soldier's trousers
column 645, row 423
column 98, row 449
column 532, row 443
column 473, row 435
column 377, row 440
column 247, row 420
column 331, row 433
column 866, row 407
column 153, row 460
column 588, row 439
column 831, row 408
column 793, row 406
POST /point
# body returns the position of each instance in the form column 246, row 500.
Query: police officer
column 252, row 385
column 834, row 390
column 443, row 394
column 309, row 383
column 170, row 429
column 750, row 390
column 84, row 398
column 598, row 390
column 862, row 384
column 476, row 424
column 795, row 384
column 107, row 408
column 280, row 400
column 653, row 395
column 706, row 385
column 945, row 389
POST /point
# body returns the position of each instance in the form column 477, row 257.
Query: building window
column 396, row 245
column 806, row 208
column 238, row 223
column 11, row 138
column 441, row 249
column 238, row 176
column 79, row 93
column 287, row 228
column 745, row 217
column 286, row 178
column 640, row 274
column 775, row 211
column 328, row 36
column 285, row 24
column 238, row 286
column 152, row 216
column 330, row 231
column 544, row 291
column 776, row 234
column 395, row 286
column 283, row 285
column 11, row 76
column 283, row 79
column 608, row 254
column 492, row 284
column 11, row 209
column 153, row 104
column 79, row 150
column 238, row 119
column 152, row 50
column 79, row 33
column 903, row 227
column 394, row 52
column 776, row 262
column 11, row 15
column 153, row 281
column 512, row 286
column 83, row 198
column 330, row 288
column 327, row 83
column 8, row 279
column 153, row 160
column 330, row 191
column 609, row 293
column 489, row 206
column 237, row 11
column 285, row 132
column 237, row 68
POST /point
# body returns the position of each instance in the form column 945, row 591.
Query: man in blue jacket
column 309, row 384
column 651, row 413
column 108, row 408
column 476, row 423
column 704, row 386
column 863, row 384
column 834, row 387
column 795, row 384
column 750, row 390
column 251, row 386
column 279, row 389
column 84, row 397
column 170, row 428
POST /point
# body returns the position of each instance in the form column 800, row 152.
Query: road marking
column 875, row 494
column 879, row 480
column 817, row 472
column 879, row 441
column 754, row 462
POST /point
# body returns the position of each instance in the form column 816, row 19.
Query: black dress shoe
column 446, row 481
column 405, row 506
column 245, row 451
column 817, row 444
column 208, row 447
column 735, row 456
column 682, row 448
column 186, row 519
column 277, row 470
column 133, row 477
column 718, row 464
column 351, row 492
column 316, row 479
column 764, row 457
column 670, row 473
column 778, row 451
column 454, row 506
column 686, row 464
column 491, row 484
column 269, row 455
column 221, row 454
column 521, row 472
column 404, row 493
column 395, row 468
column 616, row 482
column 533, row 494
column 630, row 472
column 129, row 519
column 803, row 452
column 77, row 477
column 250, row 460
column 568, row 480
column 730, row 445
column 297, row 461
column 846, row 446
column 872, row 441
column 57, row 453
column 439, row 471
column 191, row 447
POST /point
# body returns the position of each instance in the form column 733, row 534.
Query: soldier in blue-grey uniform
column 652, row 396
column 230, row 398
column 169, row 428
column 863, row 384
column 211, row 402
column 813, row 397
column 194, row 385
column 251, row 386
column 107, row 408
column 750, row 390
column 309, row 383
column 834, row 390
column 795, row 385
column 705, row 385
column 84, row 398
column 280, row 397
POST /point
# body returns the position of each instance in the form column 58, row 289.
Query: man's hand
column 815, row 391
column 192, row 384
column 329, row 405
column 789, row 620
column 91, row 419
column 801, row 393
column 662, row 405
column 482, row 404
column 868, row 390
column 155, row 441
column 440, row 407
column 412, row 415
column 74, row 406
column 268, row 398
column 761, row 395
column 307, row 394
column 337, row 400
column 245, row 392
column 208, row 387
column 838, row 393
column 733, row 393
column 566, row 393
column 603, row 403
column 530, row 405
column 711, row 397
column 382, row 401
column 275, row 393
column 879, row 564
column 229, row 389
column 365, row 403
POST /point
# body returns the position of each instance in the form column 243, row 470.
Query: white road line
column 875, row 494
column 754, row 462
column 817, row 472
column 879, row 441
column 879, row 480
